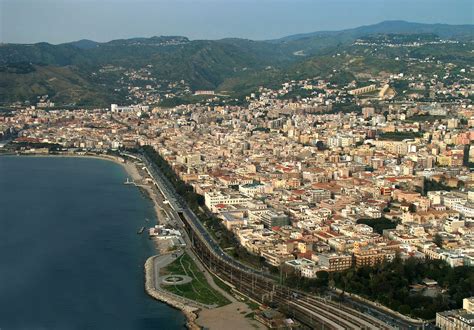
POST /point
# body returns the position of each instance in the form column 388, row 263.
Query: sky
column 57, row 21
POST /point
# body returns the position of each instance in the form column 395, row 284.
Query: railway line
column 315, row 312
column 344, row 313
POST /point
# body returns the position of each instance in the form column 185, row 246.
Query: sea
column 70, row 255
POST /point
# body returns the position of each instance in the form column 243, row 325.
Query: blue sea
column 70, row 255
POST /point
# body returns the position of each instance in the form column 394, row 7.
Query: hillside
column 202, row 64
column 85, row 72
column 315, row 41
column 367, row 58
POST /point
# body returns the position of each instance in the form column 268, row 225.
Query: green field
column 198, row 289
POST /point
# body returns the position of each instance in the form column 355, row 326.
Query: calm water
column 70, row 257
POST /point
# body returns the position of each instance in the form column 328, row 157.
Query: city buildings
column 294, row 181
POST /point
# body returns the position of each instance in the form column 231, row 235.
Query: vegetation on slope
column 68, row 72
column 391, row 284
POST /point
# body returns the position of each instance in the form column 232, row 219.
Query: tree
column 405, row 309
column 379, row 224
column 390, row 283
column 320, row 145
column 438, row 240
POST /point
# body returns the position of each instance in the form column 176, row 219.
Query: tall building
column 274, row 219
column 125, row 108
column 318, row 195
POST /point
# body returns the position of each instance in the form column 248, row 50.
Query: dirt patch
column 228, row 317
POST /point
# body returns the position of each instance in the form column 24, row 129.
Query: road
column 309, row 309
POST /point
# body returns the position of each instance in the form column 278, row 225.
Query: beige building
column 335, row 262
column 363, row 90
column 458, row 319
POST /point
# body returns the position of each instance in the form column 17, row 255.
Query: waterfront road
column 311, row 307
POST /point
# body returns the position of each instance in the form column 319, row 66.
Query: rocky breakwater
column 153, row 290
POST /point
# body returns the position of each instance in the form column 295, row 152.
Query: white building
column 309, row 271
column 466, row 209
column 452, row 225
column 449, row 199
column 252, row 189
column 373, row 212
column 215, row 198
column 341, row 141
column 306, row 267
column 128, row 108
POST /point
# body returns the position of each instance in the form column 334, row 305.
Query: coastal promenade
column 160, row 262
column 75, row 198
column 152, row 287
column 311, row 310
column 232, row 315
column 251, row 282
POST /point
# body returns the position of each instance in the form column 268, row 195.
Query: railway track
column 357, row 319
column 312, row 311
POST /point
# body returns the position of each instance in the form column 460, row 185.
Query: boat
column 141, row 230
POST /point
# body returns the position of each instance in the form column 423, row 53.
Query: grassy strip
column 198, row 289
column 222, row 285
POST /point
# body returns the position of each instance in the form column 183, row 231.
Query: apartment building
column 335, row 262
column 458, row 319
column 318, row 195
column 371, row 256
column 214, row 198
column 274, row 219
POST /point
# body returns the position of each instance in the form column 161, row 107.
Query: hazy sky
column 55, row 21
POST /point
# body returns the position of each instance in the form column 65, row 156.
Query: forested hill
column 89, row 72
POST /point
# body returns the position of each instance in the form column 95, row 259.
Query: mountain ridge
column 395, row 24
column 29, row 70
column 381, row 27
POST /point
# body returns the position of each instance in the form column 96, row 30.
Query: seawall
column 189, row 312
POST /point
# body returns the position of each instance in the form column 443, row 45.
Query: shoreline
column 193, row 315
column 190, row 313
column 131, row 169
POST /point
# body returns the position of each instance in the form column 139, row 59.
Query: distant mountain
column 84, row 44
column 313, row 42
column 152, row 41
column 203, row 64
column 69, row 72
column 442, row 30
